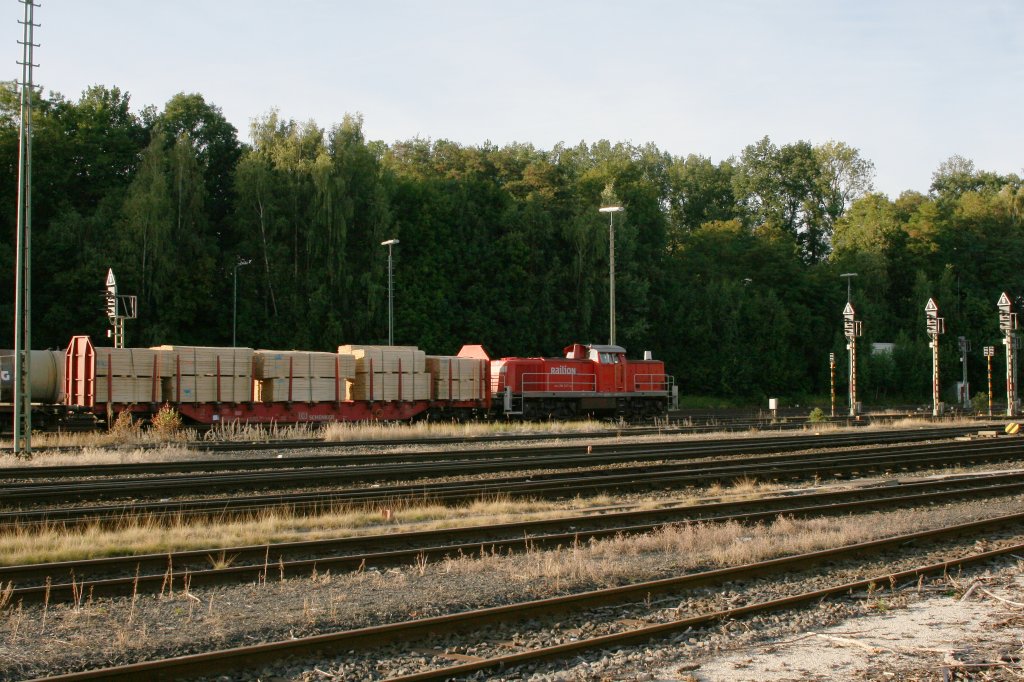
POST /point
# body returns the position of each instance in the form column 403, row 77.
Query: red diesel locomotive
column 589, row 380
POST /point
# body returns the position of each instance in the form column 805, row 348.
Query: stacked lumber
column 206, row 361
column 204, row 389
column 455, row 378
column 204, row 374
column 281, row 364
column 301, row 376
column 131, row 362
column 387, row 373
column 129, row 375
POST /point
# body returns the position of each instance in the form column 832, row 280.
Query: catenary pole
column 23, row 257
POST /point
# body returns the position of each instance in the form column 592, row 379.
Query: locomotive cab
column 609, row 366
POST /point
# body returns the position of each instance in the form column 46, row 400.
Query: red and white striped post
column 935, row 326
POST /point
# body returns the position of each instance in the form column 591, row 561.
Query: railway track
column 416, row 635
column 116, row 576
column 596, row 450
column 550, row 485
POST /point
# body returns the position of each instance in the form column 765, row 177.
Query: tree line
column 729, row 270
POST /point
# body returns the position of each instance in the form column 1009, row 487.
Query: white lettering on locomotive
column 563, row 370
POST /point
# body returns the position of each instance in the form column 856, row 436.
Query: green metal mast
column 23, row 267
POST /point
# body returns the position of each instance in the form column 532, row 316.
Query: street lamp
column 611, row 211
column 240, row 262
column 391, row 287
column 848, row 276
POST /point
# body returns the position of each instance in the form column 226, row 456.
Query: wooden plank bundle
column 209, row 361
column 281, row 364
column 300, row 389
column 301, row 376
column 386, row 359
column 388, row 373
column 406, row 386
column 126, row 375
column 455, row 378
column 194, row 372
column 128, row 390
column 131, row 362
column 203, row 389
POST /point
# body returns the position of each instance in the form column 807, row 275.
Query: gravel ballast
column 40, row 640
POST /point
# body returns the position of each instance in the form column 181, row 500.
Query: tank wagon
column 47, row 381
column 359, row 383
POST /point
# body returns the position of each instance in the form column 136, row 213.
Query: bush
column 125, row 428
column 816, row 416
column 979, row 402
column 166, row 423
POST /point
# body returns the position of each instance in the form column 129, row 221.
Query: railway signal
column 988, row 352
column 935, row 326
column 119, row 308
column 1008, row 325
column 832, row 379
column 964, row 344
column 851, row 330
column 110, row 296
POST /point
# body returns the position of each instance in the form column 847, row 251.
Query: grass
column 127, row 430
column 132, row 434
column 349, row 431
column 139, row 536
column 95, row 439
column 703, row 545
column 103, row 454
column 142, row 535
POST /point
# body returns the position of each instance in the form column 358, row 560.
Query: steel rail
column 345, row 553
column 549, row 485
column 248, row 657
column 694, row 448
column 647, row 633
column 135, row 487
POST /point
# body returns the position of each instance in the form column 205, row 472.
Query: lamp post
column 611, row 211
column 391, row 309
column 848, row 276
column 240, row 262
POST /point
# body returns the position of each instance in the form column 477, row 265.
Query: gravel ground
column 37, row 640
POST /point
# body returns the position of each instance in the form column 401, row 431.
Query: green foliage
column 729, row 271
column 979, row 401
column 816, row 416
column 166, row 423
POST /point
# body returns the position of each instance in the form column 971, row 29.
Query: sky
column 909, row 83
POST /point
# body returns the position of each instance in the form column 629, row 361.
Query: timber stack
column 204, row 374
column 129, row 375
column 301, row 376
column 388, row 373
column 455, row 378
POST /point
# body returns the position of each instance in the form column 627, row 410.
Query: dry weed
column 141, row 535
column 5, row 594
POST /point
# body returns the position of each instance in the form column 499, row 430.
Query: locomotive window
column 609, row 358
